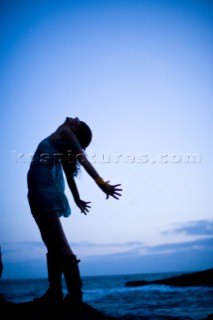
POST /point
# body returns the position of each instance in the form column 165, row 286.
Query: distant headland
column 201, row 278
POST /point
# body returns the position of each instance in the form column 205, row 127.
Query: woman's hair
column 84, row 135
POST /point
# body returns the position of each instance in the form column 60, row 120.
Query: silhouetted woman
column 62, row 151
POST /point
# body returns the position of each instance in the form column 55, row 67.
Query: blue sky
column 140, row 74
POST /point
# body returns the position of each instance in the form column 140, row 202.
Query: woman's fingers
column 113, row 191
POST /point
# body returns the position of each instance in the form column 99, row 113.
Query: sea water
column 110, row 295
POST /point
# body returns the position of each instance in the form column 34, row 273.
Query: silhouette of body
column 61, row 152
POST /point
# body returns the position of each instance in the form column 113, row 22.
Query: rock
column 202, row 278
column 210, row 317
column 1, row 264
column 32, row 311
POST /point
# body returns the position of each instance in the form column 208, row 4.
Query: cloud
column 183, row 256
column 138, row 258
column 193, row 228
column 101, row 244
column 142, row 250
column 204, row 244
column 90, row 250
column 31, row 250
column 26, row 259
column 22, row 251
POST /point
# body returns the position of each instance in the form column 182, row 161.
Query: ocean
column 109, row 295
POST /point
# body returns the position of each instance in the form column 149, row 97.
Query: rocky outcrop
column 33, row 311
column 201, row 278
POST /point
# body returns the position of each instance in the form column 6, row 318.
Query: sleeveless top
column 45, row 179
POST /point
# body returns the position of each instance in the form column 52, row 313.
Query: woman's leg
column 52, row 234
column 59, row 250
column 57, row 246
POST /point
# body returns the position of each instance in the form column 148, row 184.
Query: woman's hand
column 111, row 190
column 83, row 205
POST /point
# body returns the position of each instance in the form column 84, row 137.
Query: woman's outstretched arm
column 108, row 189
column 83, row 205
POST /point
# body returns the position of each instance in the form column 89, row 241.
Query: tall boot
column 54, row 293
column 73, row 281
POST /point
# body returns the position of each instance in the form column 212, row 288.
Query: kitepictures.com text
column 109, row 158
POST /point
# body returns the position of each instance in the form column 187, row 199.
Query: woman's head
column 83, row 134
column 81, row 130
